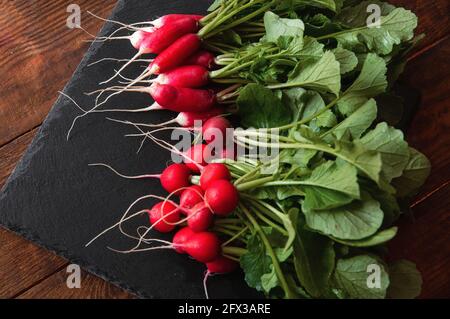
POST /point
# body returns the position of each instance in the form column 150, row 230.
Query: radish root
column 126, row 176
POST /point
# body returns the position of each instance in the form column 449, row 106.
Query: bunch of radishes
column 181, row 66
column 198, row 206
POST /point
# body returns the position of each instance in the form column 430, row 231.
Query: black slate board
column 57, row 201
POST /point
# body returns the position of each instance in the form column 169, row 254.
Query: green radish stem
column 270, row 251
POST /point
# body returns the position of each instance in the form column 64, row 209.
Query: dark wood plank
column 11, row 153
column 429, row 131
column 39, row 54
column 425, row 242
column 92, row 287
column 23, row 264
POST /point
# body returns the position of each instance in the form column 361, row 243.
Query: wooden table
column 39, row 54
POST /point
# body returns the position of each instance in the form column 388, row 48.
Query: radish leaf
column 259, row 107
column 352, row 277
column 314, row 260
column 406, row 281
column 354, row 221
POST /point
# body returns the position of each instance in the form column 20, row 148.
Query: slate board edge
column 28, row 234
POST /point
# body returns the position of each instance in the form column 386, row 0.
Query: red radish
column 184, row 119
column 196, row 157
column 187, row 119
column 157, row 23
column 215, row 127
column 168, row 34
column 140, row 33
column 174, row 177
column 180, row 239
column 166, row 37
column 139, row 36
column 200, row 218
column 171, row 18
column 214, row 172
column 167, row 97
column 221, row 265
column 202, row 58
column 191, row 196
column 176, row 54
column 222, row 197
column 203, row 247
column 182, row 99
column 172, row 57
column 159, row 221
column 189, row 76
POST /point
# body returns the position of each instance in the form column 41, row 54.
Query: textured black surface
column 56, row 200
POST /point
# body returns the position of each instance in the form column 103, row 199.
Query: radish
column 214, row 172
column 197, row 157
column 200, row 218
column 215, row 127
column 203, row 247
column 162, row 38
column 173, row 178
column 171, row 18
column 159, row 221
column 176, row 54
column 203, row 58
column 180, row 239
column 157, row 23
column 191, row 196
column 222, row 197
column 221, row 265
column 189, row 76
column 139, row 36
column 187, row 119
column 184, row 119
column 167, row 97
column 182, row 99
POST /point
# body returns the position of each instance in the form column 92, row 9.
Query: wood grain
column 11, row 153
column 429, row 130
column 39, row 54
column 424, row 241
column 91, row 287
column 23, row 264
